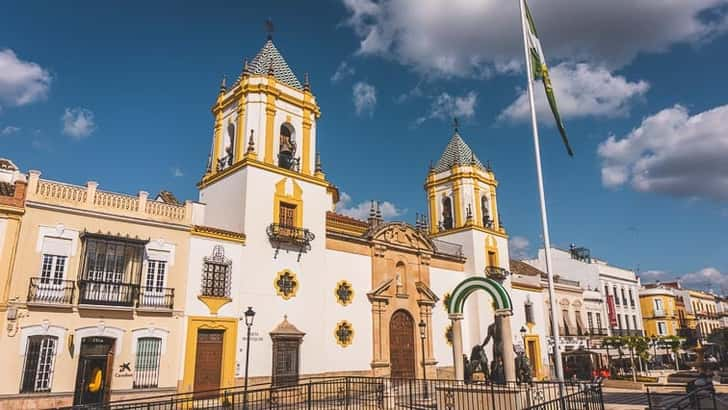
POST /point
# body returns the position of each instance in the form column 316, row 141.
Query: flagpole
column 542, row 199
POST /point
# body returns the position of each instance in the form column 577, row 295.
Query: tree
column 673, row 343
column 720, row 338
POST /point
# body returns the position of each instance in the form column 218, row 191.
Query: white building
column 333, row 294
column 618, row 287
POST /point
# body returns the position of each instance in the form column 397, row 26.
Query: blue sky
column 120, row 93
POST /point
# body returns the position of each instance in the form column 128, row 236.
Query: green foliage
column 720, row 337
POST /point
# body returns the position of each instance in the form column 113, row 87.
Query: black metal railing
column 627, row 332
column 496, row 272
column 383, row 393
column 50, row 291
column 156, row 298
column 91, row 292
column 299, row 238
column 598, row 332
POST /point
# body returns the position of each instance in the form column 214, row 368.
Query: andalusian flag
column 541, row 72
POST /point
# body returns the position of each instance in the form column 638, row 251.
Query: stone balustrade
column 90, row 198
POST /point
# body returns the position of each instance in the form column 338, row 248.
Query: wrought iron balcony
column 152, row 297
column 496, row 272
column 299, row 238
column 51, row 291
column 598, row 332
column 93, row 292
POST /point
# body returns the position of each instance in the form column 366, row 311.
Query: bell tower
column 263, row 163
column 461, row 191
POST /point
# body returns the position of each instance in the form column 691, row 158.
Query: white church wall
column 224, row 201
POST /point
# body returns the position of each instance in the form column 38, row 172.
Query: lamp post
column 249, row 316
column 423, row 333
column 523, row 332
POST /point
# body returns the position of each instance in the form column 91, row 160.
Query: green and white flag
column 541, row 72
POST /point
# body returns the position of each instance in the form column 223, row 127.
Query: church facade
column 333, row 294
column 133, row 294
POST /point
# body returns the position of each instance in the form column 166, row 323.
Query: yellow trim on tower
column 433, row 209
column 457, row 204
column 306, row 143
column 478, row 210
column 270, row 112
column 216, row 233
column 248, row 161
column 240, row 131
column 295, row 199
column 501, row 234
column 217, row 137
column 227, row 371
column 495, row 216
column 491, row 246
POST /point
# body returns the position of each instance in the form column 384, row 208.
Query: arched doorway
column 402, row 345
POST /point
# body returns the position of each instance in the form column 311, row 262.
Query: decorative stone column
column 503, row 319
column 457, row 345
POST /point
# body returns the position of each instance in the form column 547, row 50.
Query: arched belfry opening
column 485, row 209
column 447, row 215
column 287, row 147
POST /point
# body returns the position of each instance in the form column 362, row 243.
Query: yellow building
column 703, row 305
column 92, row 293
column 659, row 311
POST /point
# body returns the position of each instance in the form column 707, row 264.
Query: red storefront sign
column 611, row 311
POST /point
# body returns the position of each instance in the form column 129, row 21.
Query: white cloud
column 361, row 210
column 78, row 123
column 9, row 130
column 365, row 98
column 446, row 106
column 21, row 82
column 462, row 38
column 344, row 70
column 581, row 90
column 673, row 153
column 177, row 172
column 519, row 247
column 708, row 278
column 651, row 276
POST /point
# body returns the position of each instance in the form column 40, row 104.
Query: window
column 590, row 320
column 344, row 293
column 492, row 260
column 110, row 260
column 216, row 274
column 631, row 298
column 53, row 269
column 528, row 306
column 155, row 275
column 616, row 296
column 658, row 304
column 626, row 321
column 661, row 328
column 634, row 322
column 344, row 333
column 286, row 284
column 579, row 327
column 599, row 321
column 146, row 370
column 606, row 290
column 38, row 369
column 619, row 321
column 624, row 298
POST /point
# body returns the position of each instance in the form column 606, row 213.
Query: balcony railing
column 106, row 293
column 627, row 332
column 51, row 291
column 658, row 312
column 598, row 332
column 156, row 298
column 496, row 272
column 290, row 235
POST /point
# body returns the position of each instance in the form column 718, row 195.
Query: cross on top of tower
column 269, row 28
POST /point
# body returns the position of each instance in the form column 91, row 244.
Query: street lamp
column 523, row 332
column 249, row 316
column 423, row 333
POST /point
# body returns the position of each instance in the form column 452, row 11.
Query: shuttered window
column 146, row 370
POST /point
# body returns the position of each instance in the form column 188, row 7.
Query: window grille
column 146, row 370
column 216, row 274
column 38, row 368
